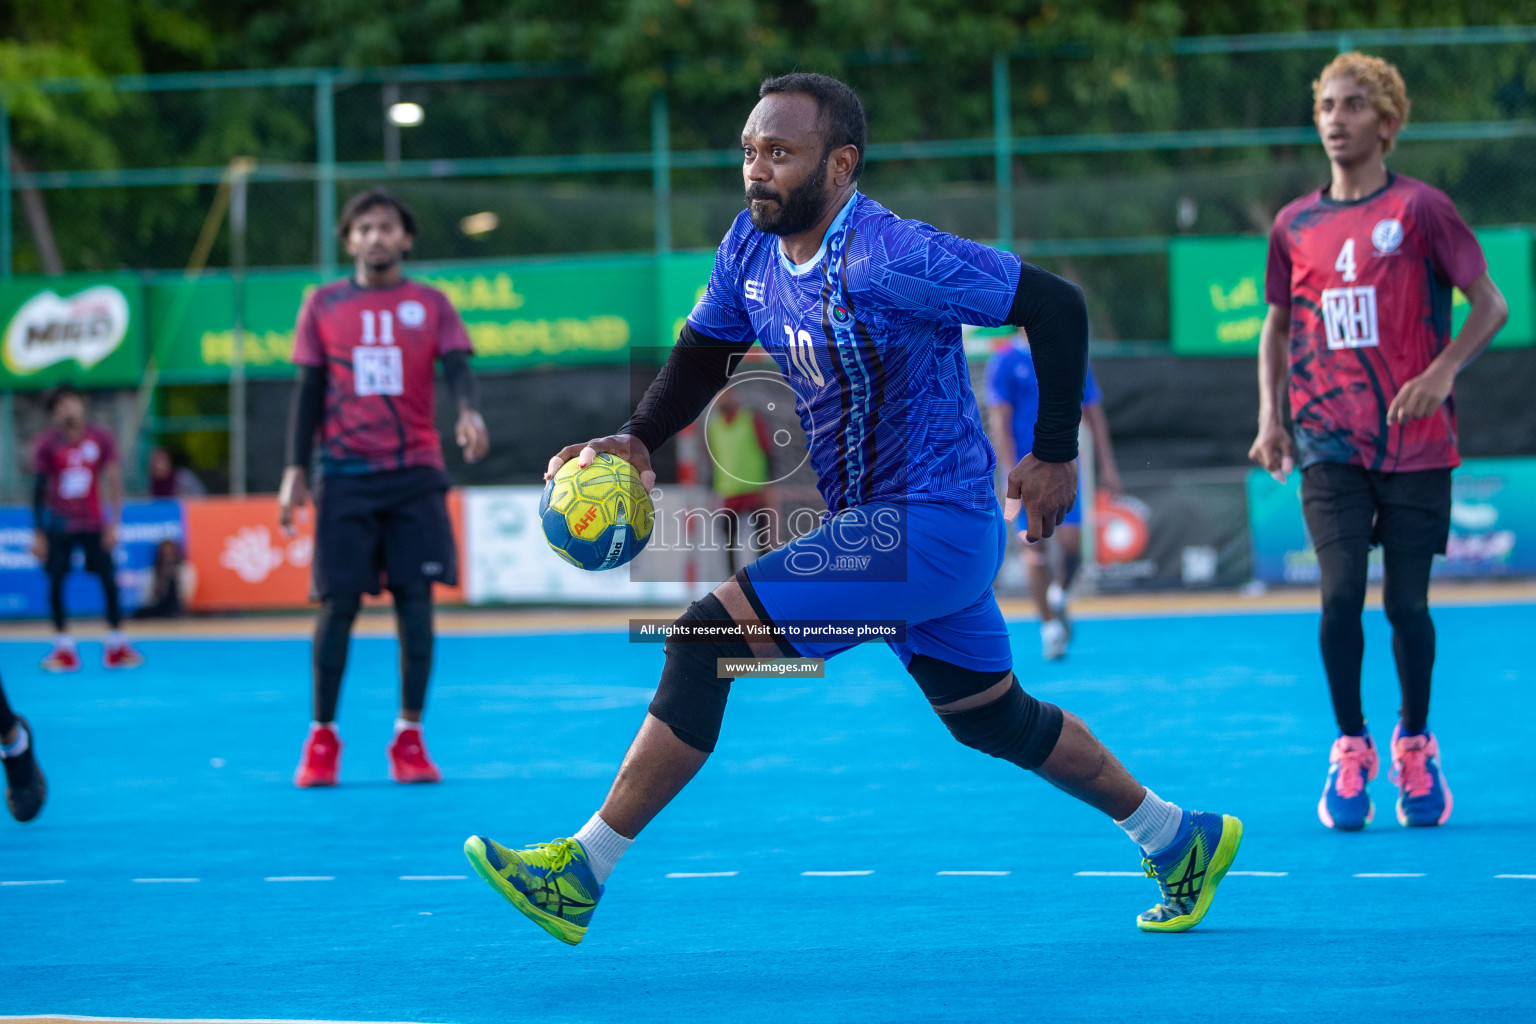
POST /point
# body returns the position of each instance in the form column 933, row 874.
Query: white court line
column 1109, row 874
column 989, row 873
column 1389, row 874
column 299, row 878
column 432, row 878
column 167, row 879
column 833, row 874
column 702, row 874
column 35, row 881
column 1514, row 876
column 1260, row 874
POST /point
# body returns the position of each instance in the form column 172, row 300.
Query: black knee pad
column 1016, row 727
column 691, row 696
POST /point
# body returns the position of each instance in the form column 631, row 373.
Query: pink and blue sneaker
column 1423, row 796
column 1345, row 805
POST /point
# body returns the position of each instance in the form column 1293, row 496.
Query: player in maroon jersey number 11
column 367, row 347
column 1357, row 346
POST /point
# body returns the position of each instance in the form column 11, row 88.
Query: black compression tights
column 7, row 716
column 333, row 633
column 56, row 599
column 1405, row 595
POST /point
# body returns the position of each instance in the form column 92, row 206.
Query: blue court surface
column 176, row 872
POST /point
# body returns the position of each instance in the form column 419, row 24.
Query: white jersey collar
column 837, row 222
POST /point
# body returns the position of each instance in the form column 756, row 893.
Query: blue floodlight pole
column 1002, row 141
column 5, row 187
column 325, row 177
column 661, row 171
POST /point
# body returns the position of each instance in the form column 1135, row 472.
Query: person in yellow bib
column 739, row 444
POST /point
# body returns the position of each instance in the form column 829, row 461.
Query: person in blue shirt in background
column 1013, row 402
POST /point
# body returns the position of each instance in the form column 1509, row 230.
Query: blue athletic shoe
column 1423, row 796
column 1345, row 805
column 1189, row 870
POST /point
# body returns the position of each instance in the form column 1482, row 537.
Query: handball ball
column 598, row 517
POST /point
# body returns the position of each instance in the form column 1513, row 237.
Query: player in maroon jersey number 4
column 1357, row 347
column 366, row 348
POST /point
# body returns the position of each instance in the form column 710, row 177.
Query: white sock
column 604, row 847
column 316, row 726
column 115, row 638
column 401, row 725
column 16, row 749
column 63, row 642
column 1153, row 824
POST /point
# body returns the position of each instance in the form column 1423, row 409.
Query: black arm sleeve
column 697, row 368
column 305, row 414
column 1054, row 315
column 39, row 501
column 461, row 381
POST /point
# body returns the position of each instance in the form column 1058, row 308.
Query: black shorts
column 392, row 525
column 61, row 548
column 1407, row 512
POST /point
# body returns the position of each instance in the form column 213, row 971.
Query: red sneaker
column 408, row 760
column 320, row 762
column 62, row 659
column 122, row 656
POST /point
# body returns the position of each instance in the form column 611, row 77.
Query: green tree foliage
column 923, row 68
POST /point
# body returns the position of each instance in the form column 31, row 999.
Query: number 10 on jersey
column 802, row 356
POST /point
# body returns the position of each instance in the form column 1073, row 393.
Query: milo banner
column 1493, row 524
column 82, row 328
column 570, row 311
column 1216, row 291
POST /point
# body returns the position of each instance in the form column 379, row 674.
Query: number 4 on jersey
column 1346, row 261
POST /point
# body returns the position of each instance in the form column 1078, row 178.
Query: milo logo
column 86, row 327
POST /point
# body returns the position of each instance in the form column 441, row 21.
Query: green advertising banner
column 192, row 326
column 518, row 314
column 1216, row 291
column 84, row 328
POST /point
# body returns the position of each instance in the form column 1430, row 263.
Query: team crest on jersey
column 1387, row 235
column 411, row 313
column 839, row 314
column 89, row 449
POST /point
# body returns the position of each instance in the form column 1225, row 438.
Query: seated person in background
column 168, row 480
column 163, row 595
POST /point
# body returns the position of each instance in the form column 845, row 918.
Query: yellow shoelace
column 557, row 853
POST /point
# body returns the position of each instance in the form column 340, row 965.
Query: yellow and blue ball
column 598, row 517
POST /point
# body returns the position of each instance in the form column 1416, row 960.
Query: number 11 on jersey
column 386, row 332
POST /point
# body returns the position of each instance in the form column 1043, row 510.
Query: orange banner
column 242, row 559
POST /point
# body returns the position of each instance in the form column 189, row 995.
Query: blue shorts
column 927, row 564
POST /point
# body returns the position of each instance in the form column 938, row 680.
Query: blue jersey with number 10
column 868, row 335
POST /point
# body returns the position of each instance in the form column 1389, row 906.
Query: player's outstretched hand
column 1421, row 396
column 1045, row 490
column 625, row 446
column 291, row 496
column 1272, row 450
column 40, row 545
column 471, row 435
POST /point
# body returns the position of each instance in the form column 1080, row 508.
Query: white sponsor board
column 508, row 561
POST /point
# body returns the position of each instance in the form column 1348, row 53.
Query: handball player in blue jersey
column 862, row 312
column 1013, row 401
